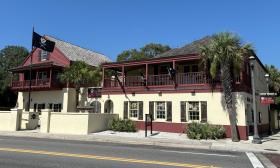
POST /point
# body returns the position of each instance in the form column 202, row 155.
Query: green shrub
column 205, row 131
column 122, row 125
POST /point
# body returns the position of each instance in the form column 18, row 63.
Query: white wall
column 66, row 97
column 217, row 114
column 74, row 123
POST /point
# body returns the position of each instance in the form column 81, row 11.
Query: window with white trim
column 160, row 110
column 133, row 109
column 57, row 107
column 44, row 55
column 193, row 111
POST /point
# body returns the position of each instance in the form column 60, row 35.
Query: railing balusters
column 164, row 79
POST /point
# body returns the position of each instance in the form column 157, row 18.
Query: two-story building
column 47, row 91
column 135, row 88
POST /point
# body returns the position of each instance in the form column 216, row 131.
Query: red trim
column 181, row 128
column 152, row 61
column 242, row 130
column 206, row 90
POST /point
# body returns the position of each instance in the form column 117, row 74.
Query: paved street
column 16, row 152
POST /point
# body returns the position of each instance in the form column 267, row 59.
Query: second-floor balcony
column 183, row 79
column 44, row 76
column 35, row 84
column 172, row 74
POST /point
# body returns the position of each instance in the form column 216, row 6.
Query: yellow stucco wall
column 9, row 120
column 68, row 123
column 217, row 114
column 6, row 121
column 66, row 97
column 74, row 123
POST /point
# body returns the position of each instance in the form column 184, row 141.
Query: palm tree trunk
column 77, row 95
column 227, row 83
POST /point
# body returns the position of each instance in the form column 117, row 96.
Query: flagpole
column 30, row 72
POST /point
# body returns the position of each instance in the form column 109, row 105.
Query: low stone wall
column 9, row 120
column 74, row 123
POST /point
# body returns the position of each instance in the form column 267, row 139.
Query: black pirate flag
column 43, row 43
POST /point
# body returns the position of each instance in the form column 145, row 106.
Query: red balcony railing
column 193, row 78
column 39, row 83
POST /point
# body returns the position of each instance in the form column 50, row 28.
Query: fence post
column 45, row 121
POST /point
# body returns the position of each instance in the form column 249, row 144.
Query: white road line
column 254, row 160
column 195, row 153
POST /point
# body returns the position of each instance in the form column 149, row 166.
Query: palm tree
column 274, row 75
column 223, row 56
column 81, row 74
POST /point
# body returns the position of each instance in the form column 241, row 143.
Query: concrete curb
column 191, row 144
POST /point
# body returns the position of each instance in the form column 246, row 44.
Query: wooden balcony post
column 50, row 79
column 36, row 78
column 147, row 73
column 103, row 76
column 123, row 76
column 174, row 67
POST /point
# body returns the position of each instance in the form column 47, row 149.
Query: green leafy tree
column 274, row 85
column 10, row 57
column 224, row 56
column 148, row 51
column 80, row 74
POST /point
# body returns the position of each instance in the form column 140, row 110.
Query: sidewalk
column 270, row 144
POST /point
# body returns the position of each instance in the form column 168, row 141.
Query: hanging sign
column 94, row 92
column 267, row 98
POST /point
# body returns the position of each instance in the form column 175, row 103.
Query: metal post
column 146, row 117
column 151, row 124
column 256, row 138
column 268, row 107
column 30, row 73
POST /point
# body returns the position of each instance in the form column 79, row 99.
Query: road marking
column 195, row 153
column 254, row 160
column 119, row 159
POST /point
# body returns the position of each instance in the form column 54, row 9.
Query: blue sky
column 111, row 26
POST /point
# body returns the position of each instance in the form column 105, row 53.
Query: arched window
column 108, row 106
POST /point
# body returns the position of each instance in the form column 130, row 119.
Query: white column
column 45, row 120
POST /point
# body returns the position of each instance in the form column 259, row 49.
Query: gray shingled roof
column 76, row 53
column 192, row 48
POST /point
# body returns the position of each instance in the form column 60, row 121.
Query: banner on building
column 94, row 92
column 267, row 98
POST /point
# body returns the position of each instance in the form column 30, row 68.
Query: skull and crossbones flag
column 39, row 41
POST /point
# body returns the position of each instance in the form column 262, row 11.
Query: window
column 50, row 106
column 133, row 109
column 193, row 110
column 195, row 68
column 57, row 107
column 44, row 55
column 40, row 107
column 163, row 69
column 160, row 110
column 35, row 107
column 187, row 69
column 42, row 75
